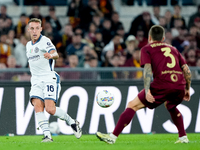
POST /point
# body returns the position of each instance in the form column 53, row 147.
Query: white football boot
column 182, row 139
column 106, row 138
column 76, row 129
column 46, row 139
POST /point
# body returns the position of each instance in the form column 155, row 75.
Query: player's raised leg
column 124, row 119
column 61, row 114
column 42, row 120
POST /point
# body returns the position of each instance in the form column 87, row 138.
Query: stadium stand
column 110, row 25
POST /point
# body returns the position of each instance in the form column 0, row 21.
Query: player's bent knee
column 50, row 109
column 170, row 107
column 36, row 101
column 135, row 104
column 38, row 108
column 50, row 106
column 131, row 104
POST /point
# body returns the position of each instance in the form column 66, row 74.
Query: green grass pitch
column 90, row 142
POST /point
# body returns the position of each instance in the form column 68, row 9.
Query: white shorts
column 46, row 90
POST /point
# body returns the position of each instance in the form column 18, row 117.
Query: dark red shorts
column 173, row 97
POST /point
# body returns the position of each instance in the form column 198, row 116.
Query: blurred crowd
column 95, row 37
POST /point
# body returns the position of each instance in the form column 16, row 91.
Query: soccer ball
column 54, row 128
column 105, row 98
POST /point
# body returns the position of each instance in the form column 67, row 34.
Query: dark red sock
column 124, row 119
column 178, row 121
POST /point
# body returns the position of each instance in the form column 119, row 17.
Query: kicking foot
column 76, row 129
column 105, row 137
column 182, row 139
column 46, row 139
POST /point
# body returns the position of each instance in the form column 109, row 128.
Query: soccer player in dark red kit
column 170, row 85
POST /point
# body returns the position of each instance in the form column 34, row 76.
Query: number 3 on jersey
column 167, row 53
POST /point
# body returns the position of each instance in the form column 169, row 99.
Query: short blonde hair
column 35, row 20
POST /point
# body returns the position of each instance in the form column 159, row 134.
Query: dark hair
column 137, row 49
column 75, row 34
column 72, row 54
column 106, row 19
column 4, row 6
column 115, row 55
column 68, row 24
column 116, row 34
column 51, row 8
column 157, row 33
column 115, row 12
column 156, row 5
column 177, row 6
column 23, row 15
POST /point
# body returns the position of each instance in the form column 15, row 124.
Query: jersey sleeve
column 181, row 59
column 49, row 46
column 145, row 57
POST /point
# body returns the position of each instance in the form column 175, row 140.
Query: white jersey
column 40, row 67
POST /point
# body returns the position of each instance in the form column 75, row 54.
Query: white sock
column 113, row 136
column 61, row 114
column 43, row 123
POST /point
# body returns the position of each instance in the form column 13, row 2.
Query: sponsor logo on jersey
column 36, row 50
column 34, row 58
column 42, row 50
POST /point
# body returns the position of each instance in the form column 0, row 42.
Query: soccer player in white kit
column 45, row 82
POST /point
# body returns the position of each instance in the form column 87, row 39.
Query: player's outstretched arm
column 147, row 81
column 187, row 76
column 52, row 55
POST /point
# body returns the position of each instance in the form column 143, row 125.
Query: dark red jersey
column 166, row 62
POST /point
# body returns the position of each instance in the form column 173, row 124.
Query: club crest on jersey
column 36, row 50
column 49, row 45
